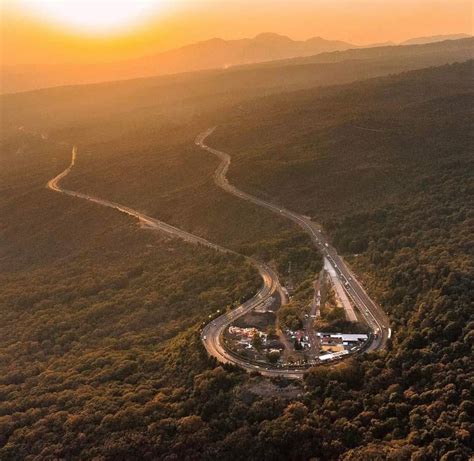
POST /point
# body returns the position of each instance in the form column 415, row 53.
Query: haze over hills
column 433, row 39
column 424, row 55
column 217, row 52
column 210, row 54
column 191, row 95
column 213, row 53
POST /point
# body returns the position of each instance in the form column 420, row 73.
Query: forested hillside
column 351, row 148
column 100, row 356
column 387, row 166
column 121, row 104
column 98, row 315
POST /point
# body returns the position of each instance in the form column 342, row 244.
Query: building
column 343, row 337
column 335, row 355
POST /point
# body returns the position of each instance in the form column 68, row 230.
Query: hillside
column 425, row 54
column 266, row 49
column 215, row 53
column 86, row 110
column 351, row 148
column 387, row 166
column 433, row 39
column 99, row 349
column 93, row 308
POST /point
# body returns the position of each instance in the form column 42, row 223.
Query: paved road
column 340, row 291
column 212, row 333
column 271, row 284
column 373, row 314
column 146, row 221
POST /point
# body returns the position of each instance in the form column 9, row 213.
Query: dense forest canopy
column 349, row 148
column 100, row 355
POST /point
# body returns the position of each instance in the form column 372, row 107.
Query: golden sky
column 64, row 31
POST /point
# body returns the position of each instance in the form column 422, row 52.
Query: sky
column 85, row 31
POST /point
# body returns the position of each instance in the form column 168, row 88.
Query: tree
column 257, row 341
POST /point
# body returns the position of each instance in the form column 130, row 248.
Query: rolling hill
column 433, row 39
column 210, row 54
column 215, row 53
column 99, row 349
column 192, row 95
column 374, row 138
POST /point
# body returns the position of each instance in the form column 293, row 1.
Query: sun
column 93, row 16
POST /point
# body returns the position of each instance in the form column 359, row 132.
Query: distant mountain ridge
column 208, row 54
column 433, row 39
column 215, row 53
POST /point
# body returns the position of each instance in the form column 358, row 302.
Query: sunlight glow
column 94, row 16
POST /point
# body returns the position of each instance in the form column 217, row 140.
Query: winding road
column 212, row 333
column 270, row 287
column 372, row 313
column 146, row 221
